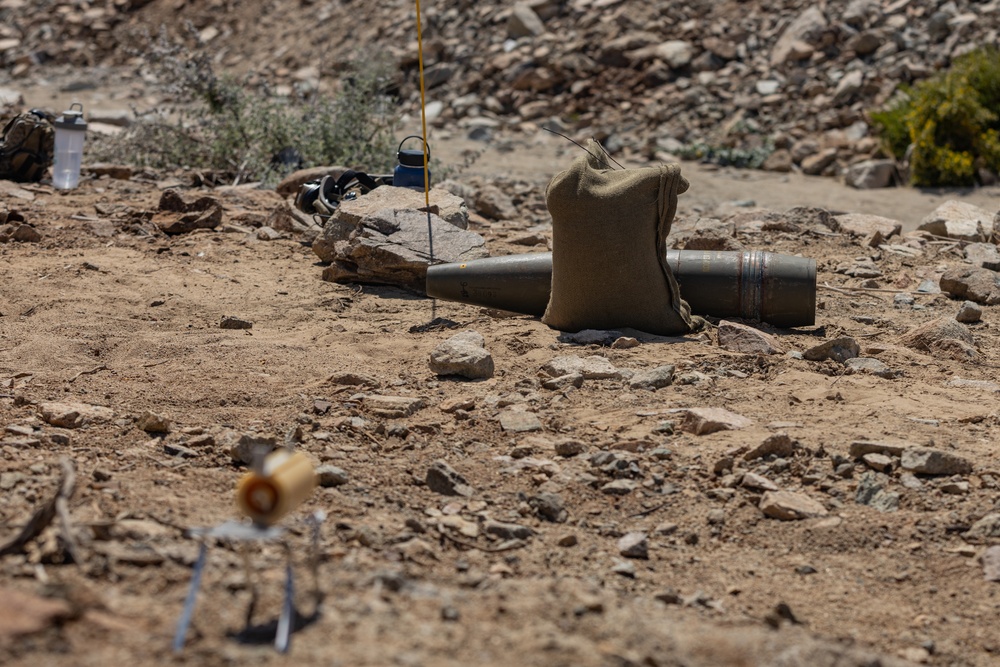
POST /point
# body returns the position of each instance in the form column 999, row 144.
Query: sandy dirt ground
column 106, row 311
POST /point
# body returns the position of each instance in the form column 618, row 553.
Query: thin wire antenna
column 606, row 152
column 596, row 157
column 423, row 123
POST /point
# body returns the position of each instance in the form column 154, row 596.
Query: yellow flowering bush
column 952, row 122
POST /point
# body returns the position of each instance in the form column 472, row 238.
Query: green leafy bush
column 951, row 121
column 238, row 130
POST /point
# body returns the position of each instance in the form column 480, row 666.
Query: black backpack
column 27, row 147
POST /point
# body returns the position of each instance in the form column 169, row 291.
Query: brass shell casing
column 287, row 480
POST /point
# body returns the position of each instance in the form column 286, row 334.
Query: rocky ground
column 826, row 495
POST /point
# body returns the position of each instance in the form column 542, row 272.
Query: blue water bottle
column 409, row 172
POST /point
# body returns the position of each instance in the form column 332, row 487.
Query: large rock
column 959, row 220
column 450, row 208
column 974, row 284
column 463, row 354
column 392, row 247
column 807, row 28
column 927, row 461
column 930, row 334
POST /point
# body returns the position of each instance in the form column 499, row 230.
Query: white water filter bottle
column 71, row 129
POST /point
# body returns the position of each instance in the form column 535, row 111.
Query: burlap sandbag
column 609, row 243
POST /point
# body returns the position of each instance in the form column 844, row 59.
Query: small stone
column 463, row 354
column 624, row 568
column 872, row 367
column 549, row 506
column 955, row 488
column 927, row 461
column 562, row 382
column 978, row 285
column 991, row 564
column 619, row 487
column 985, row 529
column 442, row 478
column 590, row 337
column 460, row 525
column 230, row 322
column 737, row 337
column 879, row 462
column 903, row 300
column 329, row 476
column 789, row 506
column 568, row 540
column 519, row 421
column 871, row 492
column 625, row 343
column 524, row 22
column 757, row 482
column 653, row 379
column 74, row 415
column 779, row 444
column 451, row 405
column 592, row 368
column 634, row 545
column 250, row 446
column 716, row 517
column 393, row 407
column 569, row 447
column 969, row 313
column 839, row 349
column 861, row 447
column 508, row 531
column 150, row 422
column 983, row 255
column 702, row 421
column 179, row 450
column 871, row 174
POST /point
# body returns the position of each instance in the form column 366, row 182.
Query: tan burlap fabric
column 609, row 242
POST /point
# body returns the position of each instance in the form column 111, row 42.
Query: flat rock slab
column 653, row 379
column 789, row 506
column 737, row 337
column 453, row 210
column 959, row 220
column 519, row 421
column 702, row 421
column 74, row 415
column 927, row 461
column 463, row 354
column 861, row 447
column 976, row 284
column 860, row 224
column 591, row 368
column 392, row 247
column 393, row 407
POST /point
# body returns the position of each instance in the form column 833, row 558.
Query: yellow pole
column 423, row 107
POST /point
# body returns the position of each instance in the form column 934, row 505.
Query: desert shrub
column 239, row 130
column 726, row 156
column 951, row 121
